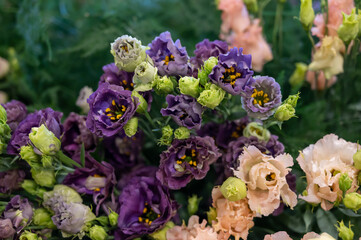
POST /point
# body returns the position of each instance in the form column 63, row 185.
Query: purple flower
column 263, row 99
column 110, row 109
column 76, row 133
column 230, row 131
column 11, row 180
column 186, row 159
column 207, row 49
column 145, row 206
column 48, row 117
column 184, row 110
column 113, row 75
column 170, row 58
column 138, row 171
column 6, row 229
column 122, row 151
column 233, row 72
column 19, row 212
column 97, row 181
column 16, row 112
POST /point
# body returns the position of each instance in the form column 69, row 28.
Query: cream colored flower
column 84, row 94
column 265, row 178
column 277, row 236
column 4, row 67
column 233, row 217
column 323, row 164
column 315, row 236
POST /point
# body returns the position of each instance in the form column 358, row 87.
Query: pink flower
column 234, row 16
column 323, row 164
column 321, row 82
column 233, row 217
column 265, row 177
column 278, row 236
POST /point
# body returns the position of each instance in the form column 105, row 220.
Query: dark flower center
column 167, row 59
column 271, row 177
column 190, row 157
column 183, row 116
column 115, row 112
column 148, row 215
column 230, row 75
column 238, row 132
column 259, row 97
column 128, row 85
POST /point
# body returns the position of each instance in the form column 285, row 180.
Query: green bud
column 3, row 115
column 68, row 194
column 182, row 133
column 357, row 160
column 285, row 112
column 212, row 215
column 3, row 146
column 26, row 235
column 131, row 127
column 252, row 5
column 292, row 99
column 193, row 203
column 42, row 217
column 113, row 218
column 97, row 233
column 30, row 186
column 162, row 233
column 167, row 136
column 307, row 14
column 143, row 105
column 43, row 176
column 352, row 201
column 189, row 86
column 298, row 75
column 144, row 75
column 257, row 130
column 345, row 233
column 209, row 64
column 27, row 153
column 359, row 22
column 103, row 220
column 44, row 140
column 234, row 189
column 47, row 161
column 163, row 85
column 203, row 77
column 345, row 182
column 211, row 96
column 349, row 27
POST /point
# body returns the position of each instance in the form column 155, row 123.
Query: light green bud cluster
column 203, row 73
column 5, row 131
column 182, row 133
column 349, row 28
column 189, row 86
column 352, row 201
column 167, row 136
column 345, row 182
column 211, row 96
column 163, row 85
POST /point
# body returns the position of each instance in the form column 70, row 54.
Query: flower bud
column 212, row 96
column 345, row 233
column 234, row 189
column 182, row 133
column 352, row 201
column 292, row 99
column 84, row 94
column 3, row 146
column 252, row 5
column 144, row 75
column 193, row 203
column 167, row 136
column 44, row 140
column 203, row 77
column 30, row 186
column 307, row 14
column 97, row 233
column 162, row 233
column 27, row 153
column 349, row 27
column 163, row 85
column 42, row 217
column 285, row 112
column 3, row 115
column 209, row 64
column 26, row 235
column 43, row 176
column 6, row 229
column 143, row 105
column 189, row 86
column 357, row 160
column 345, row 182
column 46, row 161
column 131, row 127
column 113, row 218
column 212, row 215
column 298, row 75
column 257, row 130
column 5, row 132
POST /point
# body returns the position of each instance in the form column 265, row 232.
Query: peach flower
column 323, row 163
column 234, row 16
column 194, row 231
column 320, row 84
column 315, row 236
column 277, row 236
column 265, row 178
column 233, row 217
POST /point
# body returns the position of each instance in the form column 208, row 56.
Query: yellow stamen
column 144, row 210
column 119, row 116
column 147, row 220
column 123, row 108
column 183, row 157
column 158, row 215
column 232, row 77
column 150, row 222
column 190, row 162
column 254, row 102
column 97, row 190
column 112, row 118
column 96, row 175
column 107, row 110
column 124, row 81
column 113, row 103
column 140, row 219
column 259, row 102
column 109, row 114
column 132, row 84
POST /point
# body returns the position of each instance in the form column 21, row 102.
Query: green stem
column 67, row 160
column 146, row 114
column 311, row 39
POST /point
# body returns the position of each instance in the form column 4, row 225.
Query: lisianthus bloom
column 328, row 57
column 113, row 75
column 48, row 117
column 323, row 163
column 318, row 80
column 97, row 181
column 235, row 16
column 123, row 151
column 186, row 159
column 277, row 236
column 145, row 206
column 6, row 228
column 76, row 133
column 315, row 236
column 234, row 218
column 60, row 194
column 335, row 10
column 230, row 131
column 207, row 49
column 137, row 171
column 19, row 211
column 265, row 177
column 233, row 72
column 16, row 112
column 263, row 99
column 184, row 110
column 291, row 181
column 170, row 58
column 194, row 231
column 81, row 101
column 111, row 107
column 11, row 180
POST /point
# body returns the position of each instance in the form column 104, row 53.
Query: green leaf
column 67, row 160
column 326, row 221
